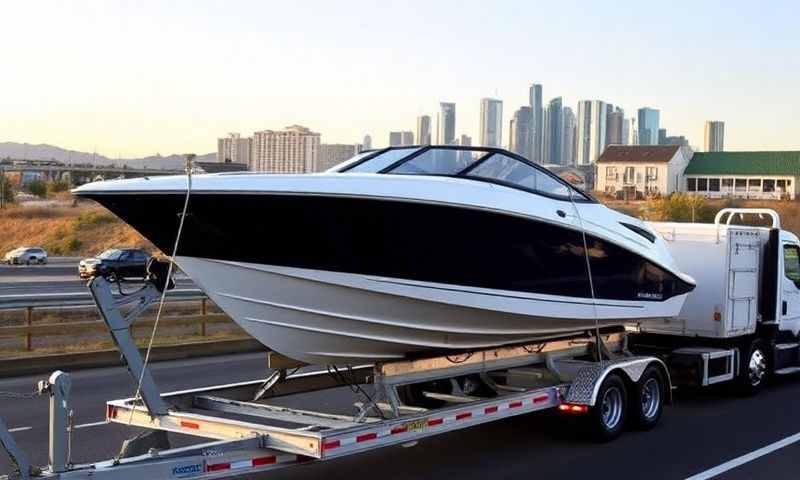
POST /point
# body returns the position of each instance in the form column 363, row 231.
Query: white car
column 27, row 256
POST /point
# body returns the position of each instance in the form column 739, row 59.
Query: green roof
column 744, row 163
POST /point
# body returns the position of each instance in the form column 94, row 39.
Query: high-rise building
column 568, row 137
column 399, row 139
column 465, row 140
column 491, row 133
column 633, row 132
column 626, row 131
column 424, row 130
column 519, row 135
column 592, row 130
column 294, row 149
column 662, row 136
column 367, row 144
column 553, row 132
column 446, row 124
column 537, row 122
column 614, row 127
column 714, row 140
column 648, row 126
column 331, row 154
column 234, row 149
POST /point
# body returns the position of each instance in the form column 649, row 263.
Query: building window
column 702, row 184
column 781, row 184
column 754, row 184
column 713, row 184
column 691, row 184
column 611, row 173
column 769, row 186
column 741, row 184
column 630, row 174
column 727, row 183
column 652, row 173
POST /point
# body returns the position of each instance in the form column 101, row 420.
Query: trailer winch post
column 120, row 328
column 58, row 387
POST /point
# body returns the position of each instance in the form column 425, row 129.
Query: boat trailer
column 247, row 428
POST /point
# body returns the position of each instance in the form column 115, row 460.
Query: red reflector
column 490, row 410
column 397, row 430
column 515, row 404
column 331, row 445
column 566, row 407
column 218, row 466
column 257, row 462
column 435, row 421
column 111, row 412
column 540, row 399
column 193, row 425
column 366, row 436
column 462, row 416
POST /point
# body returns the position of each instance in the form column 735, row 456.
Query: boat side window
column 791, row 263
column 376, row 164
column 439, row 162
column 510, row 170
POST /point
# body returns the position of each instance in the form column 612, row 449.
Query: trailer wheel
column 607, row 416
column 753, row 368
column 647, row 401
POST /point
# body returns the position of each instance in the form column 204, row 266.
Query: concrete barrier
column 45, row 364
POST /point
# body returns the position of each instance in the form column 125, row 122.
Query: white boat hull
column 323, row 317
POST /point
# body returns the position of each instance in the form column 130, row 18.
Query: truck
column 740, row 325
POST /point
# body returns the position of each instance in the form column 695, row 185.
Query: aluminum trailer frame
column 264, row 441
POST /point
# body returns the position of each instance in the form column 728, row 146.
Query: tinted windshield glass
column 510, row 170
column 439, row 162
column 351, row 160
column 383, row 160
column 112, row 254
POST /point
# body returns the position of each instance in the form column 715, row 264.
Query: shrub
column 38, row 188
column 94, row 218
column 7, row 190
column 680, row 207
column 57, row 186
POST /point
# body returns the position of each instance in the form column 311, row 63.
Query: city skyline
column 136, row 79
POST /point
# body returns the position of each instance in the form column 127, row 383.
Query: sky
column 133, row 78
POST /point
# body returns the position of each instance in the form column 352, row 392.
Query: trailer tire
column 647, row 399
column 753, row 369
column 607, row 417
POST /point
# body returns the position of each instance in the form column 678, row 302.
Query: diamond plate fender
column 583, row 389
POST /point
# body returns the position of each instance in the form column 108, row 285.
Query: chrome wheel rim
column 611, row 408
column 757, row 367
column 651, row 398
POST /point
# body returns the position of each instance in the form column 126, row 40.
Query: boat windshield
column 492, row 165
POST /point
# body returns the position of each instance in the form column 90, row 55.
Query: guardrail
column 28, row 303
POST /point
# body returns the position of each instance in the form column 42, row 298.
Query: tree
column 38, row 188
column 6, row 190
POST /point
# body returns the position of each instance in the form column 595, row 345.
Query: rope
column 591, row 279
column 137, row 396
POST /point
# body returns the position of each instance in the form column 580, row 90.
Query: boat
column 404, row 250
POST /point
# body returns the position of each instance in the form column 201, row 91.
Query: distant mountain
column 49, row 152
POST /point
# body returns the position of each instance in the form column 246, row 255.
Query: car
column 116, row 262
column 27, row 256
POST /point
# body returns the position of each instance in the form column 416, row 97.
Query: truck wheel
column 753, row 368
column 607, row 416
column 647, row 402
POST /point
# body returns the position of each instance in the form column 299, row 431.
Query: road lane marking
column 746, row 458
column 19, row 429
column 95, row 424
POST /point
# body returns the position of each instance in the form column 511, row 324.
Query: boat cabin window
column 509, row 170
column 439, row 162
column 382, row 160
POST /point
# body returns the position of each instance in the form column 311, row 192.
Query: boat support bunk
column 410, row 400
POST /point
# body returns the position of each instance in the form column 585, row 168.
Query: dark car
column 118, row 262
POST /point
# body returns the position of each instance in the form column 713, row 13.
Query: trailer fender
column 584, row 388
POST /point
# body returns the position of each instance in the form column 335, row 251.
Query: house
column 757, row 175
column 638, row 171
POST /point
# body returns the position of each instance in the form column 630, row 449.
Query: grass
column 82, row 230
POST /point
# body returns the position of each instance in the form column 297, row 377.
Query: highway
column 701, row 431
